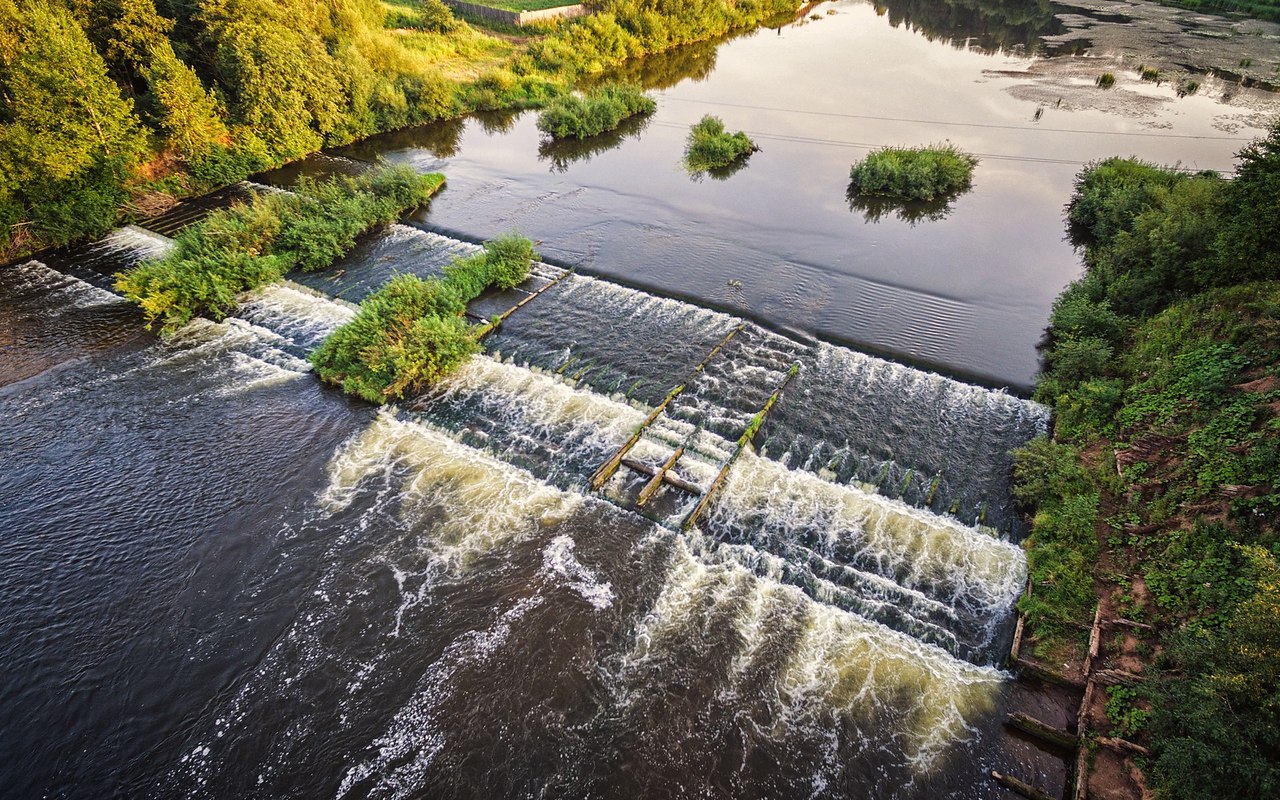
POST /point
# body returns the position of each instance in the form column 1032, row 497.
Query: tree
column 1247, row 242
column 68, row 140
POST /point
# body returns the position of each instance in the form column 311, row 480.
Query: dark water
column 220, row 579
column 967, row 294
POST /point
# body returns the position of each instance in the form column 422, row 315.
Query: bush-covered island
column 913, row 173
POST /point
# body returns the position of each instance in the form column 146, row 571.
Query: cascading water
column 438, row 605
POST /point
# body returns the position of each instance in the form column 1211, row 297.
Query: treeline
column 1160, row 490
column 104, row 103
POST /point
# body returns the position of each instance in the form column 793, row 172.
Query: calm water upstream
column 220, row 579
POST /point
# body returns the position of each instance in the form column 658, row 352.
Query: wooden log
column 1123, row 746
column 1042, row 730
column 743, row 442
column 1128, row 623
column 1081, row 791
column 606, row 470
column 1021, row 787
column 1114, row 677
column 1033, row 670
column 492, row 326
column 652, row 486
column 669, row 478
column 1095, row 641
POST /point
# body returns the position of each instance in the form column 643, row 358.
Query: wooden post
column 606, row 470
column 1025, row 789
column 1042, row 730
column 652, row 486
column 492, row 326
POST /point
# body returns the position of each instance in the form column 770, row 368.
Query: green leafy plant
column 913, row 173
column 710, row 146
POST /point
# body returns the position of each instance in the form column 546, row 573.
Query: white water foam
column 916, row 548
column 558, row 560
column 142, row 244
column 67, row 291
column 294, row 312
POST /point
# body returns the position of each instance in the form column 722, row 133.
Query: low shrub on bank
column 913, row 173
column 410, row 333
column 252, row 244
column 598, row 110
column 710, row 146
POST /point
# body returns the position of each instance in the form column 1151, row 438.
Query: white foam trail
column 145, row 245
column 915, row 547
column 71, row 292
column 558, row 561
column 839, row 664
column 422, row 469
column 294, row 312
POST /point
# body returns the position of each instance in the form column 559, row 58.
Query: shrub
column 1106, row 80
column 919, row 173
column 709, row 146
column 406, row 335
column 599, row 110
column 410, row 333
column 249, row 245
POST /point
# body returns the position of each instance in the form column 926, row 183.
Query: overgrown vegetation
column 1162, row 364
column 710, row 146
column 1258, row 9
column 593, row 112
column 913, row 173
column 411, row 332
column 113, row 102
column 251, row 244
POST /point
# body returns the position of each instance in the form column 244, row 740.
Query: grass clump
column 598, row 110
column 1106, row 80
column 252, row 244
column 913, row 173
column 710, row 146
column 411, row 332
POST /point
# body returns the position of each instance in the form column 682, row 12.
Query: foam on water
column 294, row 312
column 142, row 244
column 63, row 291
column 913, row 547
column 833, row 665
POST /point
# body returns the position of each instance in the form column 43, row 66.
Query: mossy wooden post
column 652, row 486
column 606, row 470
column 1021, row 787
column 492, row 325
column 1042, row 730
column 743, row 441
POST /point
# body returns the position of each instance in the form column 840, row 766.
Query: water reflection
column 912, row 212
column 988, row 26
column 563, row 152
column 694, row 62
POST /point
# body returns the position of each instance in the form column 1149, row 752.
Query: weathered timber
column 493, row 325
column 1128, row 623
column 743, row 442
column 1123, row 746
column 1114, row 677
column 1044, row 674
column 652, row 486
column 1016, row 648
column 606, row 470
column 1021, row 787
column 1082, row 720
column 1042, row 731
column 669, row 478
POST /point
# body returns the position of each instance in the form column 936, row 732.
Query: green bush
column 410, row 333
column 710, row 146
column 913, row 173
column 249, row 245
column 598, row 110
column 431, row 16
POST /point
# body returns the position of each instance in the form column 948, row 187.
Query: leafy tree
column 1246, row 245
column 68, row 140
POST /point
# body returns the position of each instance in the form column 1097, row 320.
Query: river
column 222, row 579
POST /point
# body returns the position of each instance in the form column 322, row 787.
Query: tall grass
column 913, row 173
column 594, row 112
column 249, row 245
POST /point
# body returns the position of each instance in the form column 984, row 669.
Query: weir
column 570, row 394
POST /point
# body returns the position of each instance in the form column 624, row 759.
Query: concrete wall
column 516, row 17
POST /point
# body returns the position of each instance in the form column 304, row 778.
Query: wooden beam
column 1123, row 746
column 1042, row 730
column 492, row 326
column 1021, row 787
column 652, row 486
column 1033, row 670
column 669, row 478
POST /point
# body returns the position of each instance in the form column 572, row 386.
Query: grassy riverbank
column 112, row 109
column 1159, row 496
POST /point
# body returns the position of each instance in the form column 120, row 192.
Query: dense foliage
column 410, row 333
column 593, row 112
column 249, row 245
column 1163, row 366
column 1258, row 9
column 710, row 146
column 913, row 173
